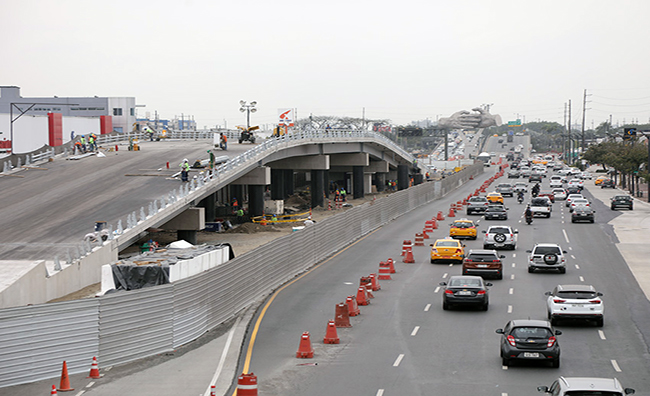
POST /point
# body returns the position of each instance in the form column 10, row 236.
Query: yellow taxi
column 494, row 197
column 600, row 179
column 463, row 228
column 447, row 250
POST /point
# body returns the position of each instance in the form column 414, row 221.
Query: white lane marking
column 513, row 265
column 348, row 283
column 504, row 367
column 573, row 257
column 90, row 384
column 380, row 392
column 601, row 334
column 445, row 276
column 512, row 276
column 222, row 360
column 511, row 291
column 514, row 255
column 451, row 264
column 509, row 308
column 570, row 248
column 582, row 279
column 615, row 365
column 398, row 360
column 562, row 221
column 426, row 309
column 108, row 368
column 415, row 331
column 435, row 291
column 577, row 266
column 565, row 236
column 81, row 393
column 504, row 394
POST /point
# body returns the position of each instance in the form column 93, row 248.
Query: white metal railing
column 187, row 193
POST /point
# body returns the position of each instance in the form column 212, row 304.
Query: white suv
column 585, row 386
column 500, row 237
column 575, row 302
column 547, row 256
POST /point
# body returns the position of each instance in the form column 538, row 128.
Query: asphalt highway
column 403, row 343
column 49, row 210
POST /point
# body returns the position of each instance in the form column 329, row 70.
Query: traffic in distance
column 496, row 305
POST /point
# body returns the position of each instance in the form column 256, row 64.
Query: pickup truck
column 541, row 206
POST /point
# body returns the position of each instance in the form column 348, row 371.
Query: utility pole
column 564, row 148
column 584, row 110
column 569, row 135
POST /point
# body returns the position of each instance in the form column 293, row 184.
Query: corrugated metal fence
column 122, row 327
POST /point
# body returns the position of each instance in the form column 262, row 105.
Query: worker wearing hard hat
column 185, row 170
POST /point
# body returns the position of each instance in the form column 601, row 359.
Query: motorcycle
column 529, row 219
column 520, row 199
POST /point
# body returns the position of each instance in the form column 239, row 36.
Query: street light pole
column 248, row 108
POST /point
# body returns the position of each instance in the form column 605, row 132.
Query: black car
column 573, row 190
column 535, row 177
column 582, row 213
column 621, row 201
column 497, row 212
column 465, row 290
column 527, row 339
column 607, row 183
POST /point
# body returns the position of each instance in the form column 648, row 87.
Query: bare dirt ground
column 243, row 237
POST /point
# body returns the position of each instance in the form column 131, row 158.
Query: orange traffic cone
column 342, row 318
column 353, row 307
column 53, row 390
column 331, row 337
column 419, row 240
column 362, row 296
column 305, row 350
column 391, row 265
column 94, row 370
column 374, row 283
column 409, row 257
column 440, row 216
column 369, row 290
column 64, row 386
column 451, row 213
column 213, row 391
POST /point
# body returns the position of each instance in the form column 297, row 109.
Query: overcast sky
column 401, row 60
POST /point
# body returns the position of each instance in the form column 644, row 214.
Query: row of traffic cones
column 349, row 308
column 64, row 385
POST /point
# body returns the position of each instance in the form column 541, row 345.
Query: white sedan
column 559, row 193
column 576, row 202
column 575, row 302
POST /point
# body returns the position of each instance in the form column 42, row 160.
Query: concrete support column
column 326, row 184
column 418, row 179
column 380, row 181
column 277, row 184
column 288, row 182
column 255, row 200
column 209, row 204
column 187, row 235
column 402, row 177
column 357, row 181
column 317, row 188
column 237, row 191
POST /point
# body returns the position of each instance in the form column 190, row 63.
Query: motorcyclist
column 535, row 191
column 520, row 196
column 528, row 214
